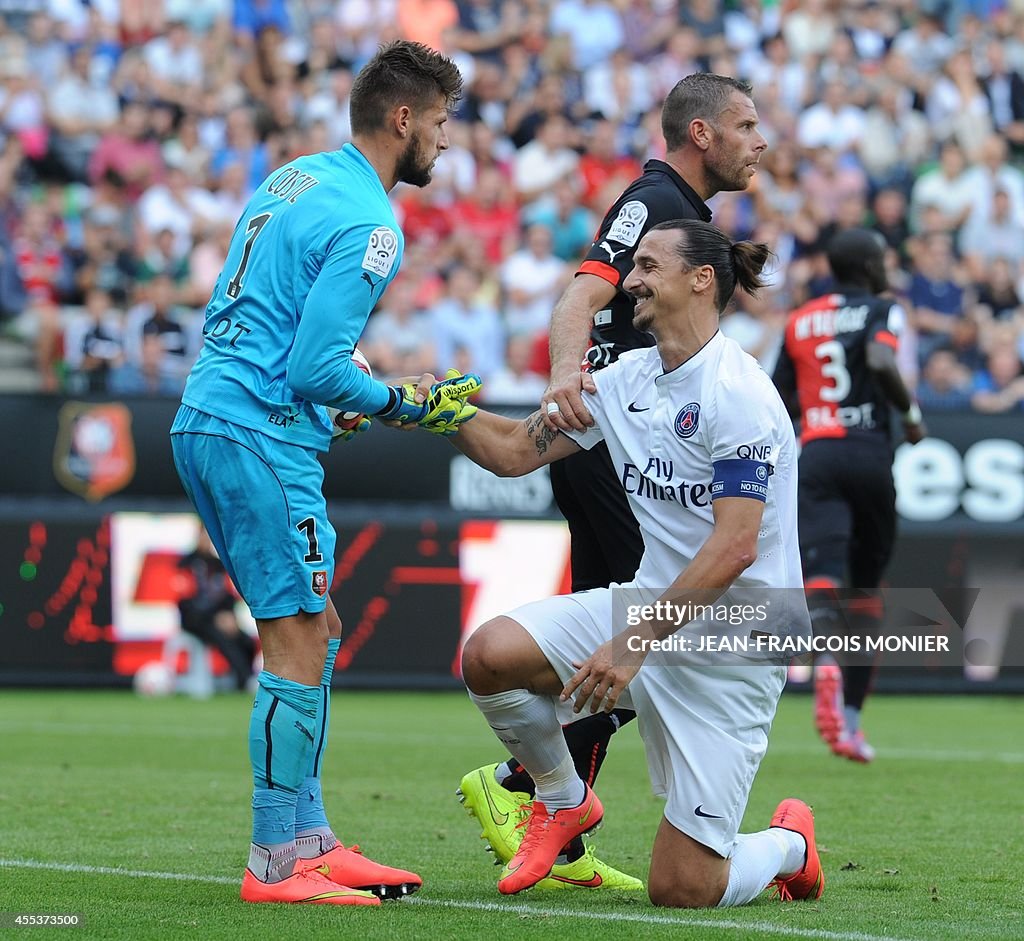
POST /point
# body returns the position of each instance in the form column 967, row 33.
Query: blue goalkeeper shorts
column 262, row 503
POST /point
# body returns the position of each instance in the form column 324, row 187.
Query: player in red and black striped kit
column 837, row 371
column 712, row 145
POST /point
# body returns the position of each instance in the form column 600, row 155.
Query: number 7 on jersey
column 253, row 229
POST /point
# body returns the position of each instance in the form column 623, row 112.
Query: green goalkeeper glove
column 450, row 421
column 444, row 402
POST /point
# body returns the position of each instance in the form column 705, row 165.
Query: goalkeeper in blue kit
column 315, row 248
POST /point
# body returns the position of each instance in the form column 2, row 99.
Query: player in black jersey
column 712, row 145
column 837, row 372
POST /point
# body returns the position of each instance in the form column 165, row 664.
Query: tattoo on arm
column 539, row 433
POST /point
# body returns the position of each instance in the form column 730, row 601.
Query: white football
column 336, row 416
column 153, row 679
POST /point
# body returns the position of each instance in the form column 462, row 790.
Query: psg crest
column 688, row 420
column 94, row 455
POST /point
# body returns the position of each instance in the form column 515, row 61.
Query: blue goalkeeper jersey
column 312, row 253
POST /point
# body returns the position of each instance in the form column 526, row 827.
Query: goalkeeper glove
column 444, row 401
column 347, row 429
column 449, row 424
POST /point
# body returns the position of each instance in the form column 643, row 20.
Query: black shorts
column 847, row 511
column 606, row 541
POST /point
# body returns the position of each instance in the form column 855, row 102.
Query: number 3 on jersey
column 252, row 229
column 833, row 367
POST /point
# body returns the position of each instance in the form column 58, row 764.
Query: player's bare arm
column 571, row 321
column 731, row 548
column 511, row 448
column 881, row 361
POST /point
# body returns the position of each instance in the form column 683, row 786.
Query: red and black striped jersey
column 824, row 359
column 659, row 195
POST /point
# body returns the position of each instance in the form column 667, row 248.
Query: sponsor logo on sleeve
column 611, row 252
column 754, row 452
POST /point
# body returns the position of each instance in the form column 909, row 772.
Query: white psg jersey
column 714, row 426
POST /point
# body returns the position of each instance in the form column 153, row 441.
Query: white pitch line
column 114, row 871
column 757, row 927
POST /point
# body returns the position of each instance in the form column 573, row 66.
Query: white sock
column 315, row 842
column 271, row 863
column 795, row 848
column 527, row 725
column 851, row 717
column 561, row 788
column 760, row 858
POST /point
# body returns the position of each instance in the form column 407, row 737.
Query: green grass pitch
column 135, row 813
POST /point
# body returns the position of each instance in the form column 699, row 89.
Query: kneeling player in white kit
column 706, row 453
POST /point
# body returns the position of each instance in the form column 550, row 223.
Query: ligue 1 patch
column 629, row 223
column 381, row 251
column 319, row 584
column 688, row 420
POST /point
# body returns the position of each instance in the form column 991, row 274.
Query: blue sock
column 281, row 731
column 310, row 816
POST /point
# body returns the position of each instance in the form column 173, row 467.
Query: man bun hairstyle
column 735, row 263
column 401, row 73
column 700, row 95
column 748, row 261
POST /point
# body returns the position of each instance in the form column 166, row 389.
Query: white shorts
column 705, row 727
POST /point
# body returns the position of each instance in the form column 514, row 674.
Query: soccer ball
column 345, row 421
column 153, row 679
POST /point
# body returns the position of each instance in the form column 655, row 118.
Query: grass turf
column 923, row 844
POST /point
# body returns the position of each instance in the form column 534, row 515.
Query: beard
column 643, row 319
column 411, row 167
column 728, row 176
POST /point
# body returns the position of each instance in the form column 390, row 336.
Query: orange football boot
column 828, row 702
column 808, row 882
column 546, row 834
column 854, row 747
column 347, row 866
column 303, row 886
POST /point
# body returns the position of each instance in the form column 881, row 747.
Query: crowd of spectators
column 133, row 131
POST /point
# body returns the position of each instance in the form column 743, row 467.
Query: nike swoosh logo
column 499, row 818
column 584, row 817
column 632, row 407
column 700, row 813
column 324, row 870
column 592, row 883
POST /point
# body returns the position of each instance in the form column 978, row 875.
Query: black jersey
column 824, row 358
column 659, row 195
